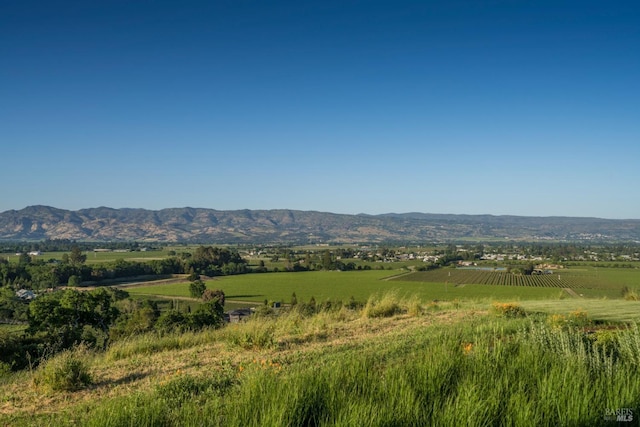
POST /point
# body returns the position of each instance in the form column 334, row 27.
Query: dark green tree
column 12, row 308
column 24, row 259
column 193, row 276
column 77, row 258
column 211, row 294
column 136, row 318
column 60, row 318
column 170, row 321
column 528, row 269
column 327, row 260
column 197, row 288
column 209, row 314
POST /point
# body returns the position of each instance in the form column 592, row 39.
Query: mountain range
column 198, row 225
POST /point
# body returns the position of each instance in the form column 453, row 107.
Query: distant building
column 238, row 315
column 25, row 294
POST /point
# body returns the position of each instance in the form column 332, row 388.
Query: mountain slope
column 292, row 226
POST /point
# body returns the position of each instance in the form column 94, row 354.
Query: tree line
column 66, row 245
column 61, row 318
column 72, row 270
column 67, row 318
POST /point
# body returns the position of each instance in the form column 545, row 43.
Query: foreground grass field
column 396, row 362
column 602, row 309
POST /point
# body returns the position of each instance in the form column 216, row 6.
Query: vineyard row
column 477, row 277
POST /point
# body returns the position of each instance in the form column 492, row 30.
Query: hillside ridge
column 295, row 226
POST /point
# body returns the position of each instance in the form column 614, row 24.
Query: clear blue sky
column 468, row 107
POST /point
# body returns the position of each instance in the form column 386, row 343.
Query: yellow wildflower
column 467, row 348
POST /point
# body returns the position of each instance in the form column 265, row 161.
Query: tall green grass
column 453, row 379
column 478, row 371
column 506, row 372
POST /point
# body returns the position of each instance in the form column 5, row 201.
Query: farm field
column 321, row 285
column 324, row 285
column 575, row 278
column 101, row 257
column 97, row 257
column 443, row 284
column 166, row 302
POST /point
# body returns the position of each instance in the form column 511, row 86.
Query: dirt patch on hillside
column 571, row 292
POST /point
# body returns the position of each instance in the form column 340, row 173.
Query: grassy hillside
column 394, row 362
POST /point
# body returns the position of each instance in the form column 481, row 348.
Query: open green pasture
column 324, row 285
column 279, row 286
column 97, row 257
column 181, row 302
column 598, row 309
column 100, row 257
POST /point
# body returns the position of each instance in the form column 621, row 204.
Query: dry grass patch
column 140, row 365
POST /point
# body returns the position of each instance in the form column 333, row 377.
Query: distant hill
column 291, row 226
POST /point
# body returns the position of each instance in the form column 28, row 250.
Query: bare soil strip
column 571, row 292
column 397, row 276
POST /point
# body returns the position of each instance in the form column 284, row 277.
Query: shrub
column 65, row 372
column 386, row 306
column 252, row 335
column 579, row 318
column 12, row 350
column 307, row 308
column 5, row 370
column 414, row 306
column 629, row 294
column 510, row 310
column 607, row 340
column 353, row 304
column 264, row 311
column 170, row 321
column 141, row 319
column 557, row 320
